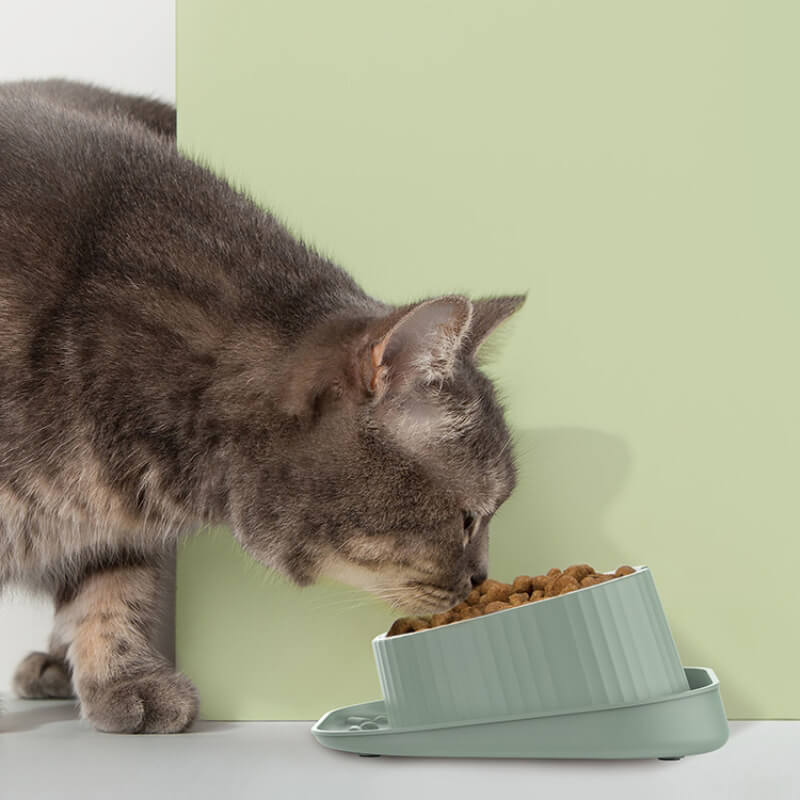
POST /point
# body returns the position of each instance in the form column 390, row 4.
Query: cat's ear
column 487, row 315
column 421, row 344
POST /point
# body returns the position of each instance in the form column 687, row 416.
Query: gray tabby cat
column 172, row 357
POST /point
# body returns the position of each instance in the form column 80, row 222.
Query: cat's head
column 395, row 455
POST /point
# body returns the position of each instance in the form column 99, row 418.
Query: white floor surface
column 47, row 752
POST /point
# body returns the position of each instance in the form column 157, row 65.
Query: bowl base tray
column 669, row 728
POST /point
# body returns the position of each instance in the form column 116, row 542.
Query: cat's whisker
column 324, row 603
column 342, row 607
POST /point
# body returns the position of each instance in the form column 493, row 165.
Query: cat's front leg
column 123, row 683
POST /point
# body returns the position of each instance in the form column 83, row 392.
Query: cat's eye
column 469, row 526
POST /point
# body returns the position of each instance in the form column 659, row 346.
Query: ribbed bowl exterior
column 603, row 645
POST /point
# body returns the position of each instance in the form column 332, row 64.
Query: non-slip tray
column 680, row 724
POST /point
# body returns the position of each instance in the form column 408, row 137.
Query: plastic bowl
column 608, row 644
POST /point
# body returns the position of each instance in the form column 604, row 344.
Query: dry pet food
column 494, row 595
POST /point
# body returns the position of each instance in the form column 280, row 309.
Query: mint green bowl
column 604, row 645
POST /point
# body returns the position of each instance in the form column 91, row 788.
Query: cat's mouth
column 426, row 598
column 413, row 596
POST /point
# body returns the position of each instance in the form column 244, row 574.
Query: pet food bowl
column 593, row 673
column 606, row 644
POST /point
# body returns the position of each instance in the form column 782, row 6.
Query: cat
column 173, row 357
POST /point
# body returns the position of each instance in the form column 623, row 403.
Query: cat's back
column 68, row 177
column 93, row 197
column 57, row 140
column 62, row 167
column 96, row 203
column 157, row 116
column 94, row 101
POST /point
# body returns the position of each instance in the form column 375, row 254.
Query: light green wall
column 635, row 167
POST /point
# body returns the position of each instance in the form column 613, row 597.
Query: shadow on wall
column 568, row 478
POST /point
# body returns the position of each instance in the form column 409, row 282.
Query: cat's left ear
column 420, row 344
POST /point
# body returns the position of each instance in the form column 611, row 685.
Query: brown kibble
column 579, row 571
column 497, row 606
column 500, row 592
column 473, row 598
column 565, row 583
column 494, row 595
column 402, row 625
column 550, row 587
column 539, row 582
column 522, row 583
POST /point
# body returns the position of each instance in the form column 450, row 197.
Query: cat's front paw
column 41, row 675
column 158, row 702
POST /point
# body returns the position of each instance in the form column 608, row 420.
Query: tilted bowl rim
column 382, row 637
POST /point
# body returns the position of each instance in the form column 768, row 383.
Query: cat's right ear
column 415, row 344
column 490, row 313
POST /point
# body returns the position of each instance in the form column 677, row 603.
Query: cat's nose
column 478, row 578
